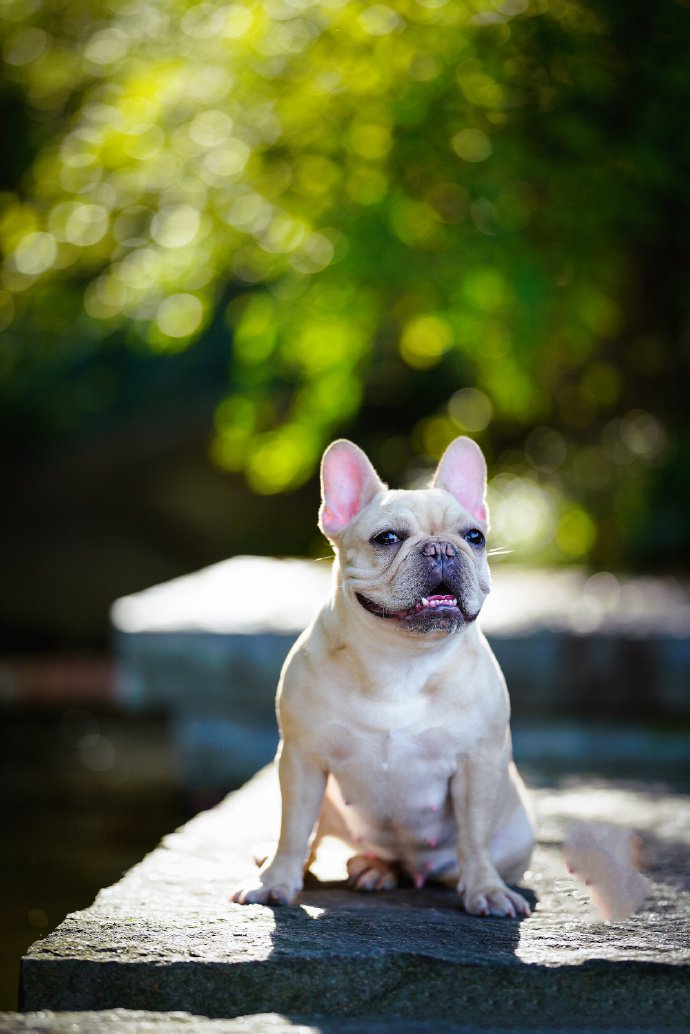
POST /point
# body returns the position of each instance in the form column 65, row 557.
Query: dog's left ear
column 348, row 484
column 462, row 472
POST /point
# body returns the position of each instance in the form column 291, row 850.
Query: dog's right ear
column 348, row 484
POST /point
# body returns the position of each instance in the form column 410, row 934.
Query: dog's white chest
column 391, row 790
column 406, row 755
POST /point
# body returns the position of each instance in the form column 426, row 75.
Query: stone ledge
column 135, row 1021
column 165, row 938
column 125, row 1021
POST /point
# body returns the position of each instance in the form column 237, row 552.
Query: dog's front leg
column 302, row 786
column 474, row 790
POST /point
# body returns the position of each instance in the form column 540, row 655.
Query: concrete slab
column 208, row 648
column 166, row 939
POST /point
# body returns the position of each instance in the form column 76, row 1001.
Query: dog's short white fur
column 394, row 714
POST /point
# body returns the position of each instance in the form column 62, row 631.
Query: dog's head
column 415, row 560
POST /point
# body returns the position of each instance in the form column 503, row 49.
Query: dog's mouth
column 438, row 602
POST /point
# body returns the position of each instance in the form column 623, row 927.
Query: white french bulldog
column 394, row 714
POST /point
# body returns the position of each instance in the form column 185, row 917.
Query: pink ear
column 348, row 484
column 462, row 472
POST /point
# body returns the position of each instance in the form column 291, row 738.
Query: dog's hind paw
column 367, row 873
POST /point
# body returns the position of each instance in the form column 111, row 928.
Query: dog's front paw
column 267, row 890
column 495, row 901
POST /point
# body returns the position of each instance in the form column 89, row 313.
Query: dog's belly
column 391, row 792
column 389, row 795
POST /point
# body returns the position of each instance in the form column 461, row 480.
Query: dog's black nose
column 438, row 550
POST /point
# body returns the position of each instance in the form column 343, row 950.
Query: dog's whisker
column 499, row 551
column 315, row 559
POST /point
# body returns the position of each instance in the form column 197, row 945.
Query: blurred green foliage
column 416, row 219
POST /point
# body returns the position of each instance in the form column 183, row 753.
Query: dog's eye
column 387, row 538
column 475, row 537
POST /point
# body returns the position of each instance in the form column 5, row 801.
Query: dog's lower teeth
column 444, row 601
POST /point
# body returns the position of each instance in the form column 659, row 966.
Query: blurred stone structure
column 577, row 650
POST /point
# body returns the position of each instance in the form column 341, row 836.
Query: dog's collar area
column 437, row 601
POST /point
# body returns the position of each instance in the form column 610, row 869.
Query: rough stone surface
column 166, row 938
column 140, row 1022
